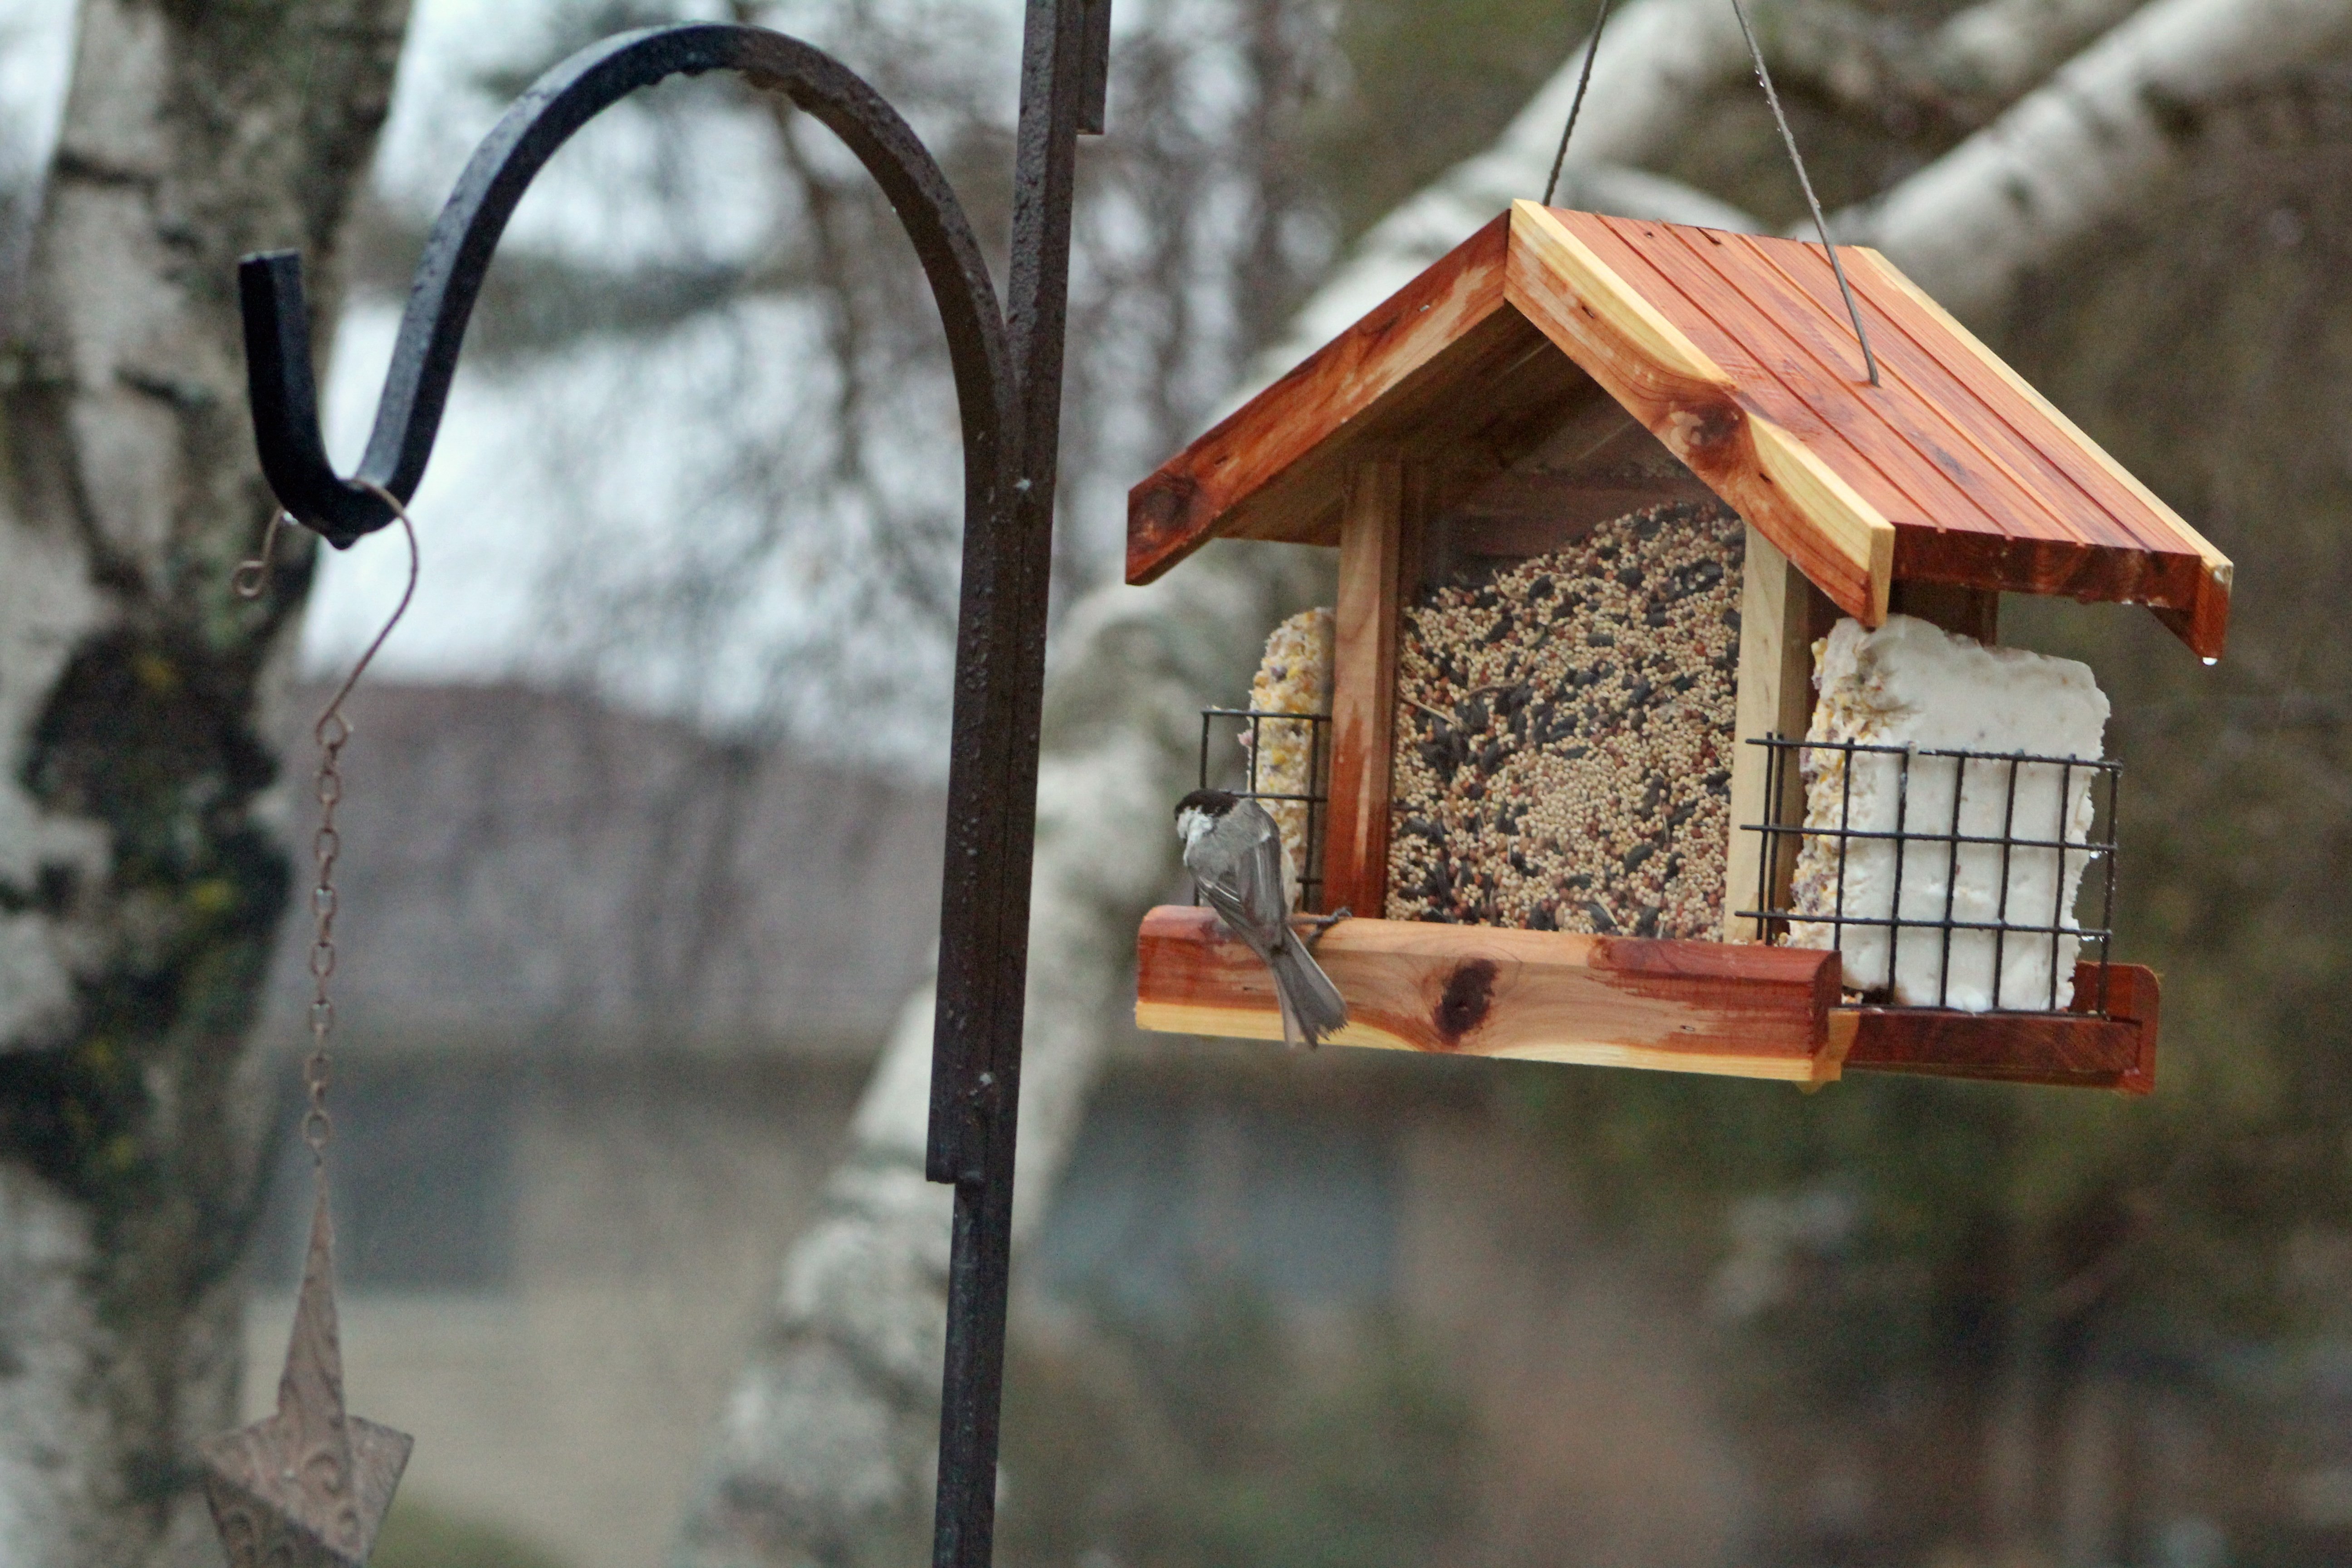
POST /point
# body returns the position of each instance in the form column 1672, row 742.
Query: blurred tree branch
column 1661, row 61
column 2084, row 148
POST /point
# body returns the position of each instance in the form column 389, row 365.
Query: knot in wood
column 1469, row 993
column 1699, row 430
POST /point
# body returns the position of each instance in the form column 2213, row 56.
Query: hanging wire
column 333, row 732
column 253, row 573
column 1592, row 50
column 334, row 709
column 1821, row 224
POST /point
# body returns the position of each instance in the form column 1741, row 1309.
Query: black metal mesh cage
column 1939, row 901
column 1298, row 811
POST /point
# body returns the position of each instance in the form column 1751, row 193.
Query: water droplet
column 2211, row 662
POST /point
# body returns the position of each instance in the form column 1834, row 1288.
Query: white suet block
column 1913, row 685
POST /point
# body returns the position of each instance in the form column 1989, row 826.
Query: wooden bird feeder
column 1669, row 426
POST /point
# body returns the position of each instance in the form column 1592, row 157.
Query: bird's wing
column 1251, row 900
column 1240, row 915
column 1248, row 896
column 1233, row 907
column 1261, row 876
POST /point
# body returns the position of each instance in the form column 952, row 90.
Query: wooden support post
column 1972, row 612
column 1372, row 569
column 1776, row 667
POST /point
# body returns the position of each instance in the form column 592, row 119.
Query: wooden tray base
column 1691, row 1006
column 1682, row 1006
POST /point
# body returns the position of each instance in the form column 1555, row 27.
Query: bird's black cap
column 1216, row 802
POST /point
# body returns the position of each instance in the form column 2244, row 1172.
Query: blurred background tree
column 142, row 872
column 1957, row 1323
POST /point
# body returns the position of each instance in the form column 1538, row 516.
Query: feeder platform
column 1556, row 384
column 1726, row 1008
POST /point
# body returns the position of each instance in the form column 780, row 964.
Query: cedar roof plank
column 2203, row 622
column 1973, row 489
column 2011, row 437
column 2006, row 394
column 1986, row 404
column 2032, row 546
column 1797, row 381
column 2048, row 537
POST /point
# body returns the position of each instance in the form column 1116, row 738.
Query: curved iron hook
column 1008, row 375
column 457, row 252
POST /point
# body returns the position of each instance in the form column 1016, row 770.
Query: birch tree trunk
column 141, row 880
column 829, row 1431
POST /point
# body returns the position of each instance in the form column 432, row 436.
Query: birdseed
column 1564, row 733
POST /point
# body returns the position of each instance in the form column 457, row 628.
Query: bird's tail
column 1312, row 1006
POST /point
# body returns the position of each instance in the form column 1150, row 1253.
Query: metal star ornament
column 307, row 1488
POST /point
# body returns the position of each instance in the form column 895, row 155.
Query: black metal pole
column 975, row 1098
column 1008, row 376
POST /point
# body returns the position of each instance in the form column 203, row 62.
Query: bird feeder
column 1612, row 500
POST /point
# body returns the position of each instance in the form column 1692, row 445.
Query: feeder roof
column 1736, row 353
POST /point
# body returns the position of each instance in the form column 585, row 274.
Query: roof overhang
column 1736, row 353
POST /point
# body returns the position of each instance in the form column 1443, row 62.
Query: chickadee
column 1235, row 851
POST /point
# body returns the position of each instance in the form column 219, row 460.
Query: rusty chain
column 333, row 732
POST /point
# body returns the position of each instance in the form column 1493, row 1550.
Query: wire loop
column 253, row 573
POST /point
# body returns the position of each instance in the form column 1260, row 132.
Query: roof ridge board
column 1918, row 360
column 1669, row 347
column 1911, row 473
column 1839, row 538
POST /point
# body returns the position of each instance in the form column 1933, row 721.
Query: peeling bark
column 141, row 881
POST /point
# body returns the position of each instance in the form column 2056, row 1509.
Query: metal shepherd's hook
column 1007, row 365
